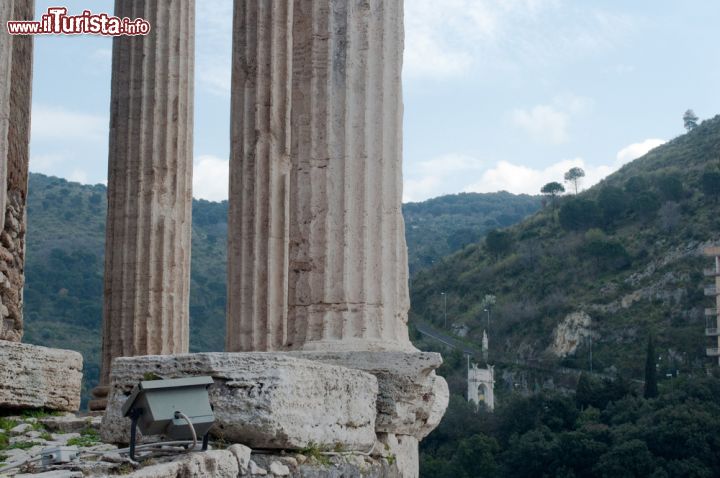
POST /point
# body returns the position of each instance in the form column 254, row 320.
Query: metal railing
column 711, row 290
column 713, row 352
column 711, row 312
column 712, row 332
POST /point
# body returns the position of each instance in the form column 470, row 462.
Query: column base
column 100, row 398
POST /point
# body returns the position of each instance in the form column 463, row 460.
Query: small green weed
column 22, row 445
column 40, row 413
column 7, row 423
column 88, row 437
column 314, row 451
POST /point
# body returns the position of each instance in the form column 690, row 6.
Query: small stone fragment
column 242, row 453
column 278, row 469
column 256, row 470
column 20, row 429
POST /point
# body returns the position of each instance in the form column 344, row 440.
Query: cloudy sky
column 499, row 94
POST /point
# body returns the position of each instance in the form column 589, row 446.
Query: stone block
column 216, row 463
column 411, row 399
column 263, row 400
column 403, row 451
column 39, row 377
column 71, row 423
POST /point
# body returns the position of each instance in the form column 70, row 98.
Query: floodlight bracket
column 154, row 405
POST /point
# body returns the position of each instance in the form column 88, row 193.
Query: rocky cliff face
column 575, row 329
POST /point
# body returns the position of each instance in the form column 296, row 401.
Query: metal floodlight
column 177, row 408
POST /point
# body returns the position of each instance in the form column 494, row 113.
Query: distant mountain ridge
column 440, row 226
column 65, row 250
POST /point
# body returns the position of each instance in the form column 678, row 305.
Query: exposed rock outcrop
column 571, row 333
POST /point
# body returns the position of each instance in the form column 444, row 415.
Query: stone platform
column 263, row 400
column 377, row 403
column 38, row 377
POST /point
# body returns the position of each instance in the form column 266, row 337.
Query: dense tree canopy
column 604, row 430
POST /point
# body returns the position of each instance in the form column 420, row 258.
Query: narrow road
column 429, row 331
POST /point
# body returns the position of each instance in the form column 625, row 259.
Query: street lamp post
column 488, row 316
column 444, row 307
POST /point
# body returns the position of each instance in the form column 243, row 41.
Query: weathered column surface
column 348, row 281
column 259, row 176
column 147, row 250
column 16, row 57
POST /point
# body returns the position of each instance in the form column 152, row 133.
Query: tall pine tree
column 651, row 389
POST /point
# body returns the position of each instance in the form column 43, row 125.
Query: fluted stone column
column 16, row 57
column 6, row 42
column 258, row 219
column 348, row 282
column 147, row 258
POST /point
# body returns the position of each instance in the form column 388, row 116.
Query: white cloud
column 78, row 176
column 45, row 163
column 450, row 173
column 636, row 150
column 518, row 179
column 550, row 123
column 49, row 123
column 214, row 45
column 422, row 188
column 103, row 54
column 449, row 38
column 543, row 123
column 211, row 177
column 438, row 176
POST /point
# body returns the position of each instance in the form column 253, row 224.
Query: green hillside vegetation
column 64, row 270
column 65, row 250
column 440, row 226
column 625, row 252
column 603, row 430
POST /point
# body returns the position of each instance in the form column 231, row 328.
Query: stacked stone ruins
column 30, row 376
column 317, row 347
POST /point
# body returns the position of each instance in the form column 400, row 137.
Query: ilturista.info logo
column 57, row 22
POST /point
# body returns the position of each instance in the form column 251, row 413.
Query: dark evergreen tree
column 710, row 182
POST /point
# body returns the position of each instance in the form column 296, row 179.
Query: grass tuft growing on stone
column 22, row 445
column 40, row 413
column 88, row 437
column 7, row 423
column 313, row 451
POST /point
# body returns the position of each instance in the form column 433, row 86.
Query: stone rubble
column 99, row 459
